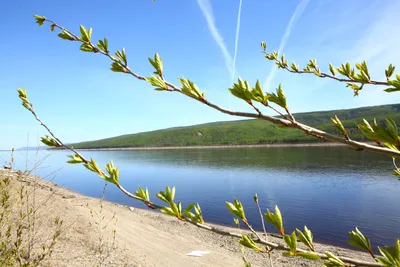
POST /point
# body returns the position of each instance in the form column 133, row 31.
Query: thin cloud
column 236, row 40
column 293, row 20
column 207, row 11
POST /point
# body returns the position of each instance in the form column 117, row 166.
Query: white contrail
column 297, row 13
column 207, row 11
column 236, row 41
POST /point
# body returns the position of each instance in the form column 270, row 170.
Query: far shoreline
column 327, row 144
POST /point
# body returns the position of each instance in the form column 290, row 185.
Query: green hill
column 246, row 132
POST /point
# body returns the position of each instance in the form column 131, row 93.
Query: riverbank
column 142, row 237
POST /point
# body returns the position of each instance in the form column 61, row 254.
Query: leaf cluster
column 388, row 136
column 175, row 209
column 236, row 208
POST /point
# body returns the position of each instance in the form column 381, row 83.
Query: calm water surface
column 331, row 190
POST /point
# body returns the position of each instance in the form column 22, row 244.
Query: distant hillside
column 246, row 132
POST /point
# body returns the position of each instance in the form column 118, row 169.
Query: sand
column 142, row 237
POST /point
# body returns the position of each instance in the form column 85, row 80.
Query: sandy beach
column 142, row 237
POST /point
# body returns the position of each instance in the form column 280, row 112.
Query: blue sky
column 77, row 95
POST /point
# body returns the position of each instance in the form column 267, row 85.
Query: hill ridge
column 248, row 131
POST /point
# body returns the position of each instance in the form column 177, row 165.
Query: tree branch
column 289, row 123
column 329, row 76
column 283, row 122
column 204, row 226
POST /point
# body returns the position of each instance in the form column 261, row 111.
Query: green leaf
column 241, row 90
column 390, row 70
column 391, row 255
column 246, row 241
column 172, row 193
column 113, row 172
column 117, row 67
column 188, row 209
column 180, row 208
column 258, row 94
column 338, row 124
column 122, row 56
column 198, row 216
column 157, row 64
column 103, row 45
column 291, row 242
column 143, row 194
column 317, row 72
column 162, row 196
column 49, row 141
column 306, row 238
column 332, row 69
column 175, row 209
column 275, row 220
column 345, row 70
column 283, row 63
column 392, row 129
column 308, row 255
column 39, row 19
column 333, row 261
column 236, row 209
column 357, row 239
column 391, row 89
column 85, row 33
column 362, row 77
column 75, row 159
column 279, row 98
column 189, row 88
column 157, row 82
column 395, row 84
column 233, row 209
column 363, row 70
column 313, row 64
column 240, row 208
column 66, row 36
column 22, row 93
column 272, row 56
column 24, row 98
column 168, row 211
column 264, row 46
column 388, row 136
column 92, row 166
column 88, row 48
column 294, row 67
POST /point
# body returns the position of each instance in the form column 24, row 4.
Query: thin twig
column 265, row 232
column 326, row 75
column 394, row 163
column 277, row 111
